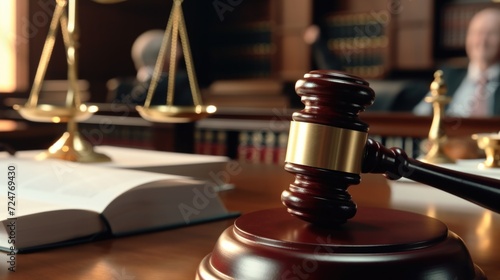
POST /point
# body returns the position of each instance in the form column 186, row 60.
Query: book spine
column 244, row 147
column 252, row 146
column 282, row 145
column 220, row 147
column 360, row 43
column 208, row 140
column 257, row 147
column 198, row 141
column 269, row 151
column 119, row 135
column 243, row 51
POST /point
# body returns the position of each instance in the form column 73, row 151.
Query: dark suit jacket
column 415, row 91
column 132, row 92
column 453, row 77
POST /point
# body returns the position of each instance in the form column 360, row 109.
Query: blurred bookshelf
column 374, row 40
column 241, row 42
column 360, row 43
column 377, row 38
column 260, row 39
column 255, row 47
column 253, row 54
column 243, row 50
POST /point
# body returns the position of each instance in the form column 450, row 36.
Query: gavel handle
column 395, row 163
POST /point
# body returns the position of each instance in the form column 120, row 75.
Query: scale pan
column 175, row 114
column 55, row 114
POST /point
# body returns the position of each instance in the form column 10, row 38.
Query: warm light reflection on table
column 478, row 227
column 483, row 231
column 431, row 211
column 8, row 125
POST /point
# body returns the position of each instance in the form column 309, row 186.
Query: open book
column 210, row 168
column 52, row 202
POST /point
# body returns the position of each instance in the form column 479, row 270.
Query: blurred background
column 247, row 53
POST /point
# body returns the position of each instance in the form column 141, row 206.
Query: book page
column 64, row 184
column 130, row 158
column 134, row 157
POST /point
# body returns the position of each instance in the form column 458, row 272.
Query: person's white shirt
column 463, row 99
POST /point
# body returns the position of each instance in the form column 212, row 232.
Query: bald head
column 146, row 48
column 483, row 38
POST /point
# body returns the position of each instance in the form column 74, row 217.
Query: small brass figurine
column 490, row 143
column 437, row 137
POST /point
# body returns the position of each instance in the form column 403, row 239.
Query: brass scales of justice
column 71, row 145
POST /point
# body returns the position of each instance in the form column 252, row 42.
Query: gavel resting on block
column 327, row 236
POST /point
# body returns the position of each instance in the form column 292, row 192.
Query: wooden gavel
column 328, row 148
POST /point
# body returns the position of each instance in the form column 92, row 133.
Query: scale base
column 377, row 243
column 72, row 147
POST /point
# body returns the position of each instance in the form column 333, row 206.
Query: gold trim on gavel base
column 326, row 147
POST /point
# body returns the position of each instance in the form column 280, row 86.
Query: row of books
column 262, row 146
column 209, row 142
column 365, row 57
column 242, row 50
column 119, row 135
column 335, row 44
column 410, row 145
column 360, row 42
column 356, row 25
column 251, row 146
column 250, row 93
column 270, row 146
column 367, row 63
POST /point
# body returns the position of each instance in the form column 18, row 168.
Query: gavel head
column 325, row 146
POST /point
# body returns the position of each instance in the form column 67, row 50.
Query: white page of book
column 130, row 157
column 62, row 184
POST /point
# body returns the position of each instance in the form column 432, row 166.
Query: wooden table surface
column 176, row 254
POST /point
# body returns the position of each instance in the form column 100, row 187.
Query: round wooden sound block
column 376, row 244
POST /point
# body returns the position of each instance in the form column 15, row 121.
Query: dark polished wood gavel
column 328, row 149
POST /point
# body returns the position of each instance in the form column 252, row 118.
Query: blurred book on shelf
column 360, row 42
column 246, row 86
column 242, row 50
column 252, row 93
